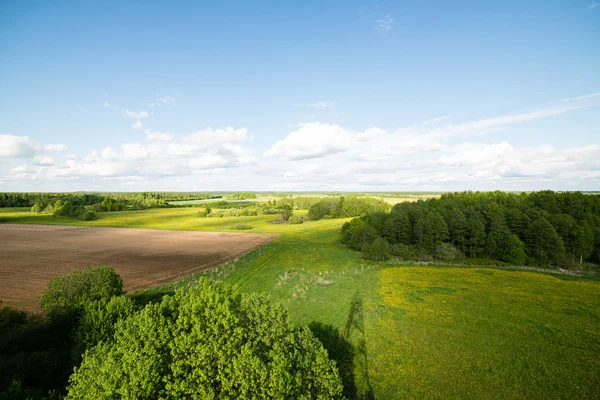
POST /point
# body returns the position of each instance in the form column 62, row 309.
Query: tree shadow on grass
column 348, row 357
column 341, row 351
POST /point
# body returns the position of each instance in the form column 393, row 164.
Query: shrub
column 241, row 227
column 445, row 252
column 88, row 216
column 295, row 219
column 202, row 214
column 379, row 250
column 67, row 294
column 37, row 208
column 403, row 251
column 208, row 342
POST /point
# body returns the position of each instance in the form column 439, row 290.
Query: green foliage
column 344, row 207
column 539, row 229
column 362, row 236
column 37, row 208
column 403, row 251
column 286, row 211
column 67, row 294
column 241, row 226
column 208, row 342
column 295, row 219
column 378, row 250
column 34, row 355
column 98, row 321
column 445, row 252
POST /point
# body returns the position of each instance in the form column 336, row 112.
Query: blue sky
column 335, row 95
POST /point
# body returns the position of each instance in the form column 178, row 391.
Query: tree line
column 142, row 199
column 345, row 207
column 539, row 229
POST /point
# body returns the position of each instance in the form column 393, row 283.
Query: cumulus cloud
column 12, row 146
column 209, row 137
column 137, row 125
column 158, row 136
column 199, row 153
column 317, row 139
column 16, row 146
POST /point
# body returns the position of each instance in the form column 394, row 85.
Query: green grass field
column 417, row 331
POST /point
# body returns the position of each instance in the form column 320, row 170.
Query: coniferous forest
column 539, row 229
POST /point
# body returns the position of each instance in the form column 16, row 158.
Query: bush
column 379, row 250
column 202, row 214
column 208, row 342
column 241, row 227
column 67, row 294
column 445, row 252
column 88, row 216
column 37, row 208
column 295, row 220
column 403, row 251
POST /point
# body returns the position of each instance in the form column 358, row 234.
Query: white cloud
column 12, row 146
column 594, row 5
column 385, row 24
column 158, row 136
column 202, row 152
column 209, row 136
column 578, row 98
column 45, row 161
column 137, row 125
column 59, row 148
column 135, row 114
column 317, row 139
column 16, row 146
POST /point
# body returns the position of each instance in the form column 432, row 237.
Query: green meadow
column 416, row 331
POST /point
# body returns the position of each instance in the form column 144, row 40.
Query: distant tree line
column 344, row 207
column 140, row 200
column 241, row 196
column 538, row 229
column 209, row 341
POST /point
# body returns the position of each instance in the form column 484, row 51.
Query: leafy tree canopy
column 209, row 342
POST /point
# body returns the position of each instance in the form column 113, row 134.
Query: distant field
column 33, row 254
column 417, row 331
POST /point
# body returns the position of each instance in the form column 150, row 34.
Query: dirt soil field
column 30, row 255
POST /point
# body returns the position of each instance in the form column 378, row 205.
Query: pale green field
column 416, row 331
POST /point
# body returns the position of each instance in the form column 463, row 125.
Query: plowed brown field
column 30, row 255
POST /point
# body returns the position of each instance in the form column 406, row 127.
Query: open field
column 33, row 254
column 417, row 331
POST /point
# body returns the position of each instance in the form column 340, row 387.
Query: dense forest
column 538, row 229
